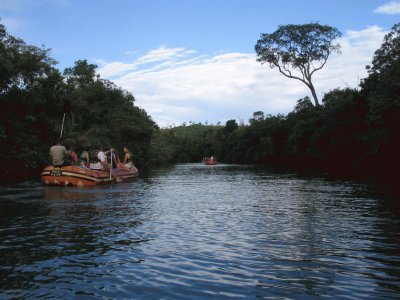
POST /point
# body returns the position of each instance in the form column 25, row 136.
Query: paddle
column 67, row 108
column 62, row 126
column 111, row 163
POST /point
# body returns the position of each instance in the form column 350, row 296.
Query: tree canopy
column 34, row 96
column 302, row 48
column 352, row 130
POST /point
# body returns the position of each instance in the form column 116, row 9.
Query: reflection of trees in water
column 65, row 227
column 384, row 256
column 318, row 236
column 296, row 242
column 343, row 229
column 314, row 235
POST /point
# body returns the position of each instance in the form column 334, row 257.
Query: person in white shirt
column 102, row 157
column 102, row 163
column 98, row 159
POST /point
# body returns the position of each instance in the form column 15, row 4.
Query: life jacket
column 93, row 156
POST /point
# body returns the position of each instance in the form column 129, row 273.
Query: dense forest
column 353, row 131
column 39, row 103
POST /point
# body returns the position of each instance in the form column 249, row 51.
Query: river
column 192, row 231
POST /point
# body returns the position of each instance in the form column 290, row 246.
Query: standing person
column 58, row 154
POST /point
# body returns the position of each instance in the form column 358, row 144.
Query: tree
column 101, row 112
column 257, row 116
column 382, row 91
column 230, row 126
column 21, row 65
column 81, row 74
column 29, row 90
column 304, row 48
column 382, row 86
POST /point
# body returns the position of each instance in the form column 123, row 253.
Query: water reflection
column 208, row 232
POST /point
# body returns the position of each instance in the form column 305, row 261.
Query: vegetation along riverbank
column 352, row 131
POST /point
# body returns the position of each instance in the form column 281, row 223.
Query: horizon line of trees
column 351, row 130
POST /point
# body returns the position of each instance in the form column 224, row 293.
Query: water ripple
column 193, row 231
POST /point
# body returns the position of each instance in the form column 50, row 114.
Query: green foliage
column 102, row 113
column 382, row 91
column 24, row 71
column 163, row 147
column 35, row 97
column 81, row 75
column 353, row 130
column 230, row 127
column 382, row 87
column 21, row 65
column 304, row 48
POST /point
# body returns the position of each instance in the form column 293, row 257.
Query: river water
column 192, row 231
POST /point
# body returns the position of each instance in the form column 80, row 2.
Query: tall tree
column 21, row 65
column 382, row 90
column 29, row 90
column 298, row 51
column 101, row 112
column 383, row 83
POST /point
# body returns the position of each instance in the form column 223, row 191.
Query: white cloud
column 163, row 54
column 115, row 68
column 391, row 8
column 174, row 85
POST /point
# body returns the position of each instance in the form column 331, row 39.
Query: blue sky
column 194, row 60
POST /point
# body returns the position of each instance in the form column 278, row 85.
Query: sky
column 194, row 60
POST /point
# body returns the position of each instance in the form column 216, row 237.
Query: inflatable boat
column 77, row 176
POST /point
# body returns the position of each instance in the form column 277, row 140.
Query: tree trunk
column 314, row 94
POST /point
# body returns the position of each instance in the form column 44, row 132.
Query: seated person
column 95, row 162
column 105, row 166
column 72, row 157
column 84, row 157
column 98, row 159
column 127, row 162
column 58, row 154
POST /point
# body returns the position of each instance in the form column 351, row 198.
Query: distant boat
column 77, row 176
column 210, row 161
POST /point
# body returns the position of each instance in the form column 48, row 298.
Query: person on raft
column 98, row 161
column 58, row 154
